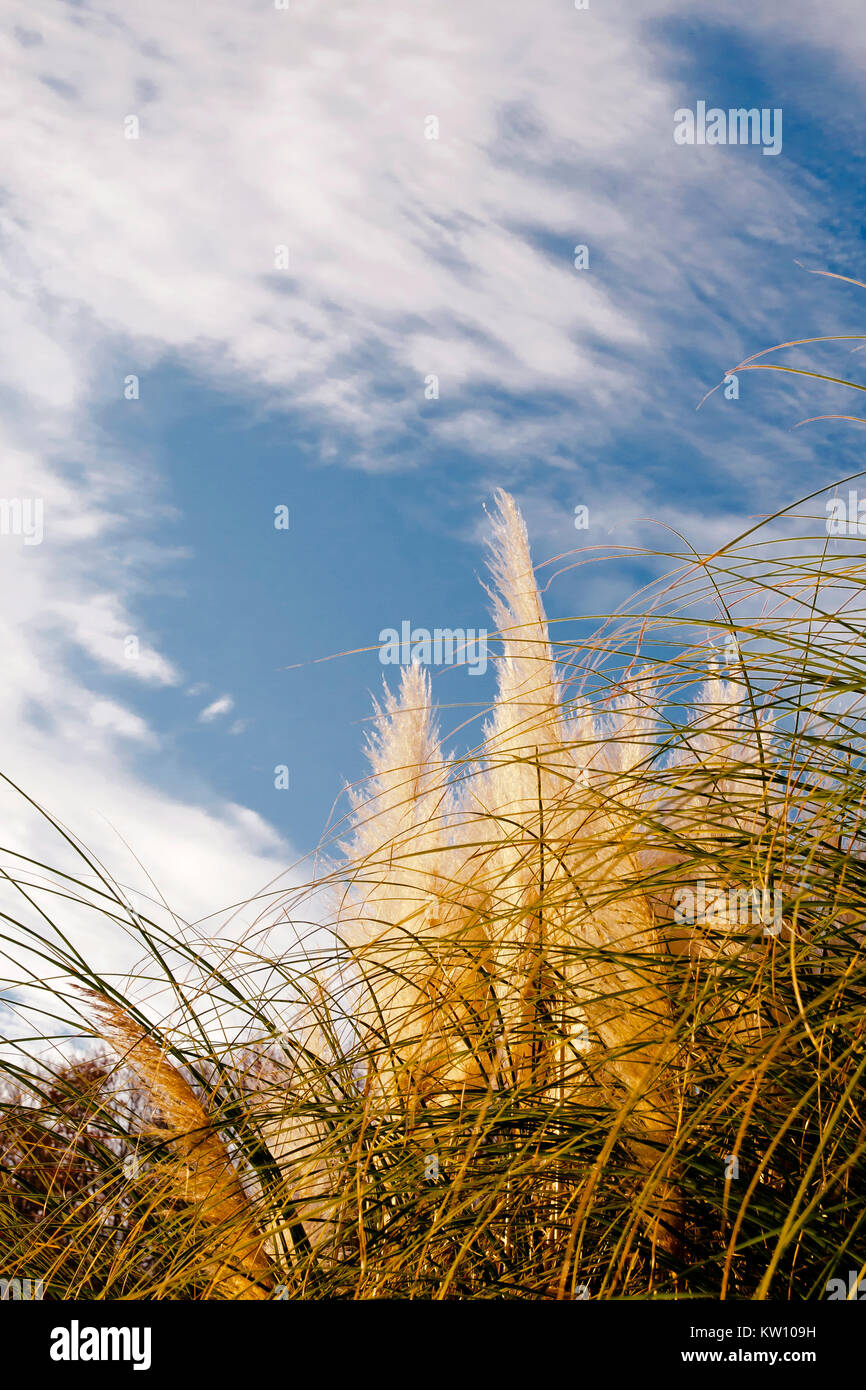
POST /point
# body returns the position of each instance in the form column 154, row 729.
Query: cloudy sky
column 239, row 241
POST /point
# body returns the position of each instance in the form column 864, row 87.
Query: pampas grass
column 199, row 1170
column 550, row 1036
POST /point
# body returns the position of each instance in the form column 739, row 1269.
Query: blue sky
column 304, row 386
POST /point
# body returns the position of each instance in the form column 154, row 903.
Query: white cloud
column 105, row 714
column 260, row 128
column 223, row 705
column 100, row 626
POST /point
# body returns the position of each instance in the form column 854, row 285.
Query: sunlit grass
column 506, row 1059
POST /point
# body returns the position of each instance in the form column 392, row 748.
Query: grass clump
column 580, row 1012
